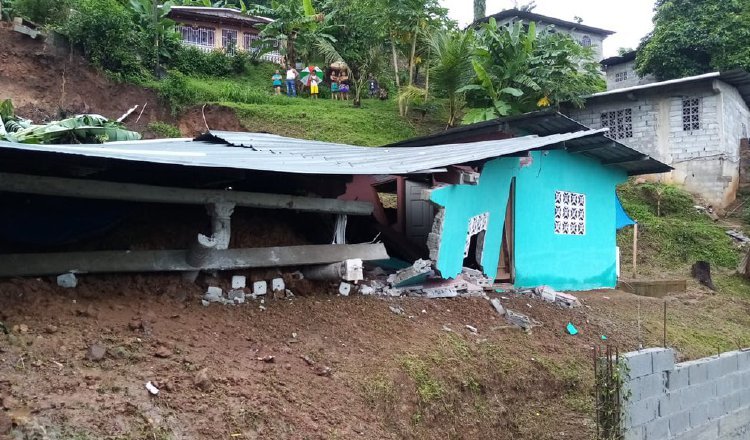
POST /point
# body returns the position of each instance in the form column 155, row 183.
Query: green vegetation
column 42, row 11
column 672, row 232
column 163, row 129
column 692, row 37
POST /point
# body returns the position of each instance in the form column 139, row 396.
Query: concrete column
column 221, row 224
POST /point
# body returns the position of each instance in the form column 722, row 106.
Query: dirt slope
column 45, row 84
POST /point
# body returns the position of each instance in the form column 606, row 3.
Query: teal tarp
column 622, row 218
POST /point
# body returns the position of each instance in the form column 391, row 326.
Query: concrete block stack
column 705, row 398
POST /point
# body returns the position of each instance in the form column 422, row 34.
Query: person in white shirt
column 291, row 81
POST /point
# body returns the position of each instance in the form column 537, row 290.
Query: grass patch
column 672, row 233
column 429, row 388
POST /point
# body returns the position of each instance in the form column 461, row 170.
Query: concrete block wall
column 633, row 78
column 707, row 398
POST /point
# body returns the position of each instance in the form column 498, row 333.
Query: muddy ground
column 74, row 363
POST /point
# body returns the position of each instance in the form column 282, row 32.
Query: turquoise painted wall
column 564, row 262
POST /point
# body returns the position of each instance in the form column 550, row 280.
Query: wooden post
column 635, row 250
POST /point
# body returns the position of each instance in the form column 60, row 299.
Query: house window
column 229, row 40
column 477, row 224
column 197, row 36
column 249, row 39
column 586, row 41
column 621, row 76
column 570, row 213
column 619, row 122
column 691, row 114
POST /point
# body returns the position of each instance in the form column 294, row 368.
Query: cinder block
column 634, row 433
column 671, row 403
column 743, row 360
column 642, row 412
column 715, row 409
column 735, row 425
column 732, row 402
column 698, row 415
column 663, row 360
column 725, row 385
column 708, row 431
column 645, row 387
column 697, row 371
column 679, row 423
column 745, row 379
column 677, row 378
column 640, row 362
column 657, row 429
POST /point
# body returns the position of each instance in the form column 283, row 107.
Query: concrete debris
column 498, row 307
column 345, row 288
column 549, row 294
column 324, row 371
column 205, row 303
column 268, row 359
column 152, row 389
column 476, row 277
column 307, row 360
column 414, row 274
column 277, row 285
column 739, row 236
column 288, row 293
column 440, row 292
column 96, row 352
column 396, row 309
column 447, row 329
column 472, row 329
column 67, row 280
column 520, row 320
column 260, row 288
column 239, row 282
column 236, row 296
column 364, row 289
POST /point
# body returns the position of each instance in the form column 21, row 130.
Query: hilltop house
column 226, row 29
column 694, row 124
column 587, row 36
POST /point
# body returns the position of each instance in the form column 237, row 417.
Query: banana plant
column 82, row 129
column 152, row 20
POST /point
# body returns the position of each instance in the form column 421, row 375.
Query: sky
column 630, row 19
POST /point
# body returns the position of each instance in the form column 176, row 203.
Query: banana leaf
column 84, row 129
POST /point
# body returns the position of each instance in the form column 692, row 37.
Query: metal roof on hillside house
column 545, row 123
column 530, row 16
column 740, row 79
column 216, row 14
column 267, row 152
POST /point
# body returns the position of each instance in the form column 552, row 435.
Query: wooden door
column 505, row 268
column 419, row 213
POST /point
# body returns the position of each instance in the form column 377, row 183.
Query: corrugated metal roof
column 232, row 13
column 737, row 78
column 267, row 152
column 546, row 123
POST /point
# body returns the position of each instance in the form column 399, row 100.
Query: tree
column 692, row 37
column 517, row 70
column 451, row 67
column 295, row 22
column 480, row 9
column 152, row 21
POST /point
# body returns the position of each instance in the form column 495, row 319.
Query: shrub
column 105, row 30
column 42, row 11
column 164, row 130
column 193, row 61
column 176, row 91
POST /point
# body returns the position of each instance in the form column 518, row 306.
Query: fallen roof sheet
column 267, row 152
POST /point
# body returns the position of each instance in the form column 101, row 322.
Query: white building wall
column 706, row 161
column 628, row 69
column 597, row 40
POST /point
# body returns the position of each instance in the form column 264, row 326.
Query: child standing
column 276, row 79
column 334, row 86
column 314, row 87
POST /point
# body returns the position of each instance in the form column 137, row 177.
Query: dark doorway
column 506, row 271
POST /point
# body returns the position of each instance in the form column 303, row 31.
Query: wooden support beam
column 96, row 189
column 14, row 265
column 629, row 159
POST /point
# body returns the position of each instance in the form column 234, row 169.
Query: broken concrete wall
column 547, row 251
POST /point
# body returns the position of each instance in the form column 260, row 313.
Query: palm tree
column 451, row 67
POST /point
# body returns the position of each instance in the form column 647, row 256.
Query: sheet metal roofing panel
column 266, row 152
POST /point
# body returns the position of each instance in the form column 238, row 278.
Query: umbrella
column 307, row 74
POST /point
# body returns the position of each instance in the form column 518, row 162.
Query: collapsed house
column 527, row 201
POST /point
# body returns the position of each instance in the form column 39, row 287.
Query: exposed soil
column 46, row 83
column 192, row 122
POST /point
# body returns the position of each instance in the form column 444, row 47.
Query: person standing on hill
column 314, row 87
column 276, row 79
column 291, row 81
column 334, row 85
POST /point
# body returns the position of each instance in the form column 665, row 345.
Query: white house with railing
column 225, row 29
